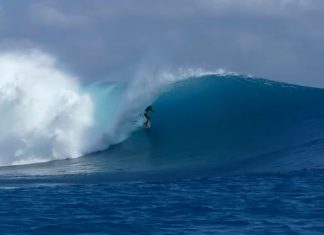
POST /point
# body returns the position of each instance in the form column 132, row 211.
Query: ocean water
column 290, row 203
column 226, row 154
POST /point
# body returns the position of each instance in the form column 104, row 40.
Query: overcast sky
column 276, row 39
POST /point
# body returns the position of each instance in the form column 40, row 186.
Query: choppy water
column 290, row 203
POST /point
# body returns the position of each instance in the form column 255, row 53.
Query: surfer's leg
column 147, row 119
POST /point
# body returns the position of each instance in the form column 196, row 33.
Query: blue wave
column 224, row 119
column 205, row 125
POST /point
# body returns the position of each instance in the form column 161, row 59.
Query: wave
column 47, row 114
column 225, row 120
column 201, row 118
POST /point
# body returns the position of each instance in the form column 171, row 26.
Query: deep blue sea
column 225, row 155
column 290, row 203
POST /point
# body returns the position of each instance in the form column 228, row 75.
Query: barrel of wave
column 219, row 119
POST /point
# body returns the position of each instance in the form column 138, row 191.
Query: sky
column 99, row 39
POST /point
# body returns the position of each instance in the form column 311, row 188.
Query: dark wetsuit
column 147, row 114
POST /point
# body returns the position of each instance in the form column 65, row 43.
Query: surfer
column 147, row 115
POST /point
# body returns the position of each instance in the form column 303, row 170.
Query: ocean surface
column 226, row 154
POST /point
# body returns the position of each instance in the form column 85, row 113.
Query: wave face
column 228, row 119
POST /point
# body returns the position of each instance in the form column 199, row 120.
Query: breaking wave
column 47, row 115
column 200, row 118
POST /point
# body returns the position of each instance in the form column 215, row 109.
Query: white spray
column 43, row 113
